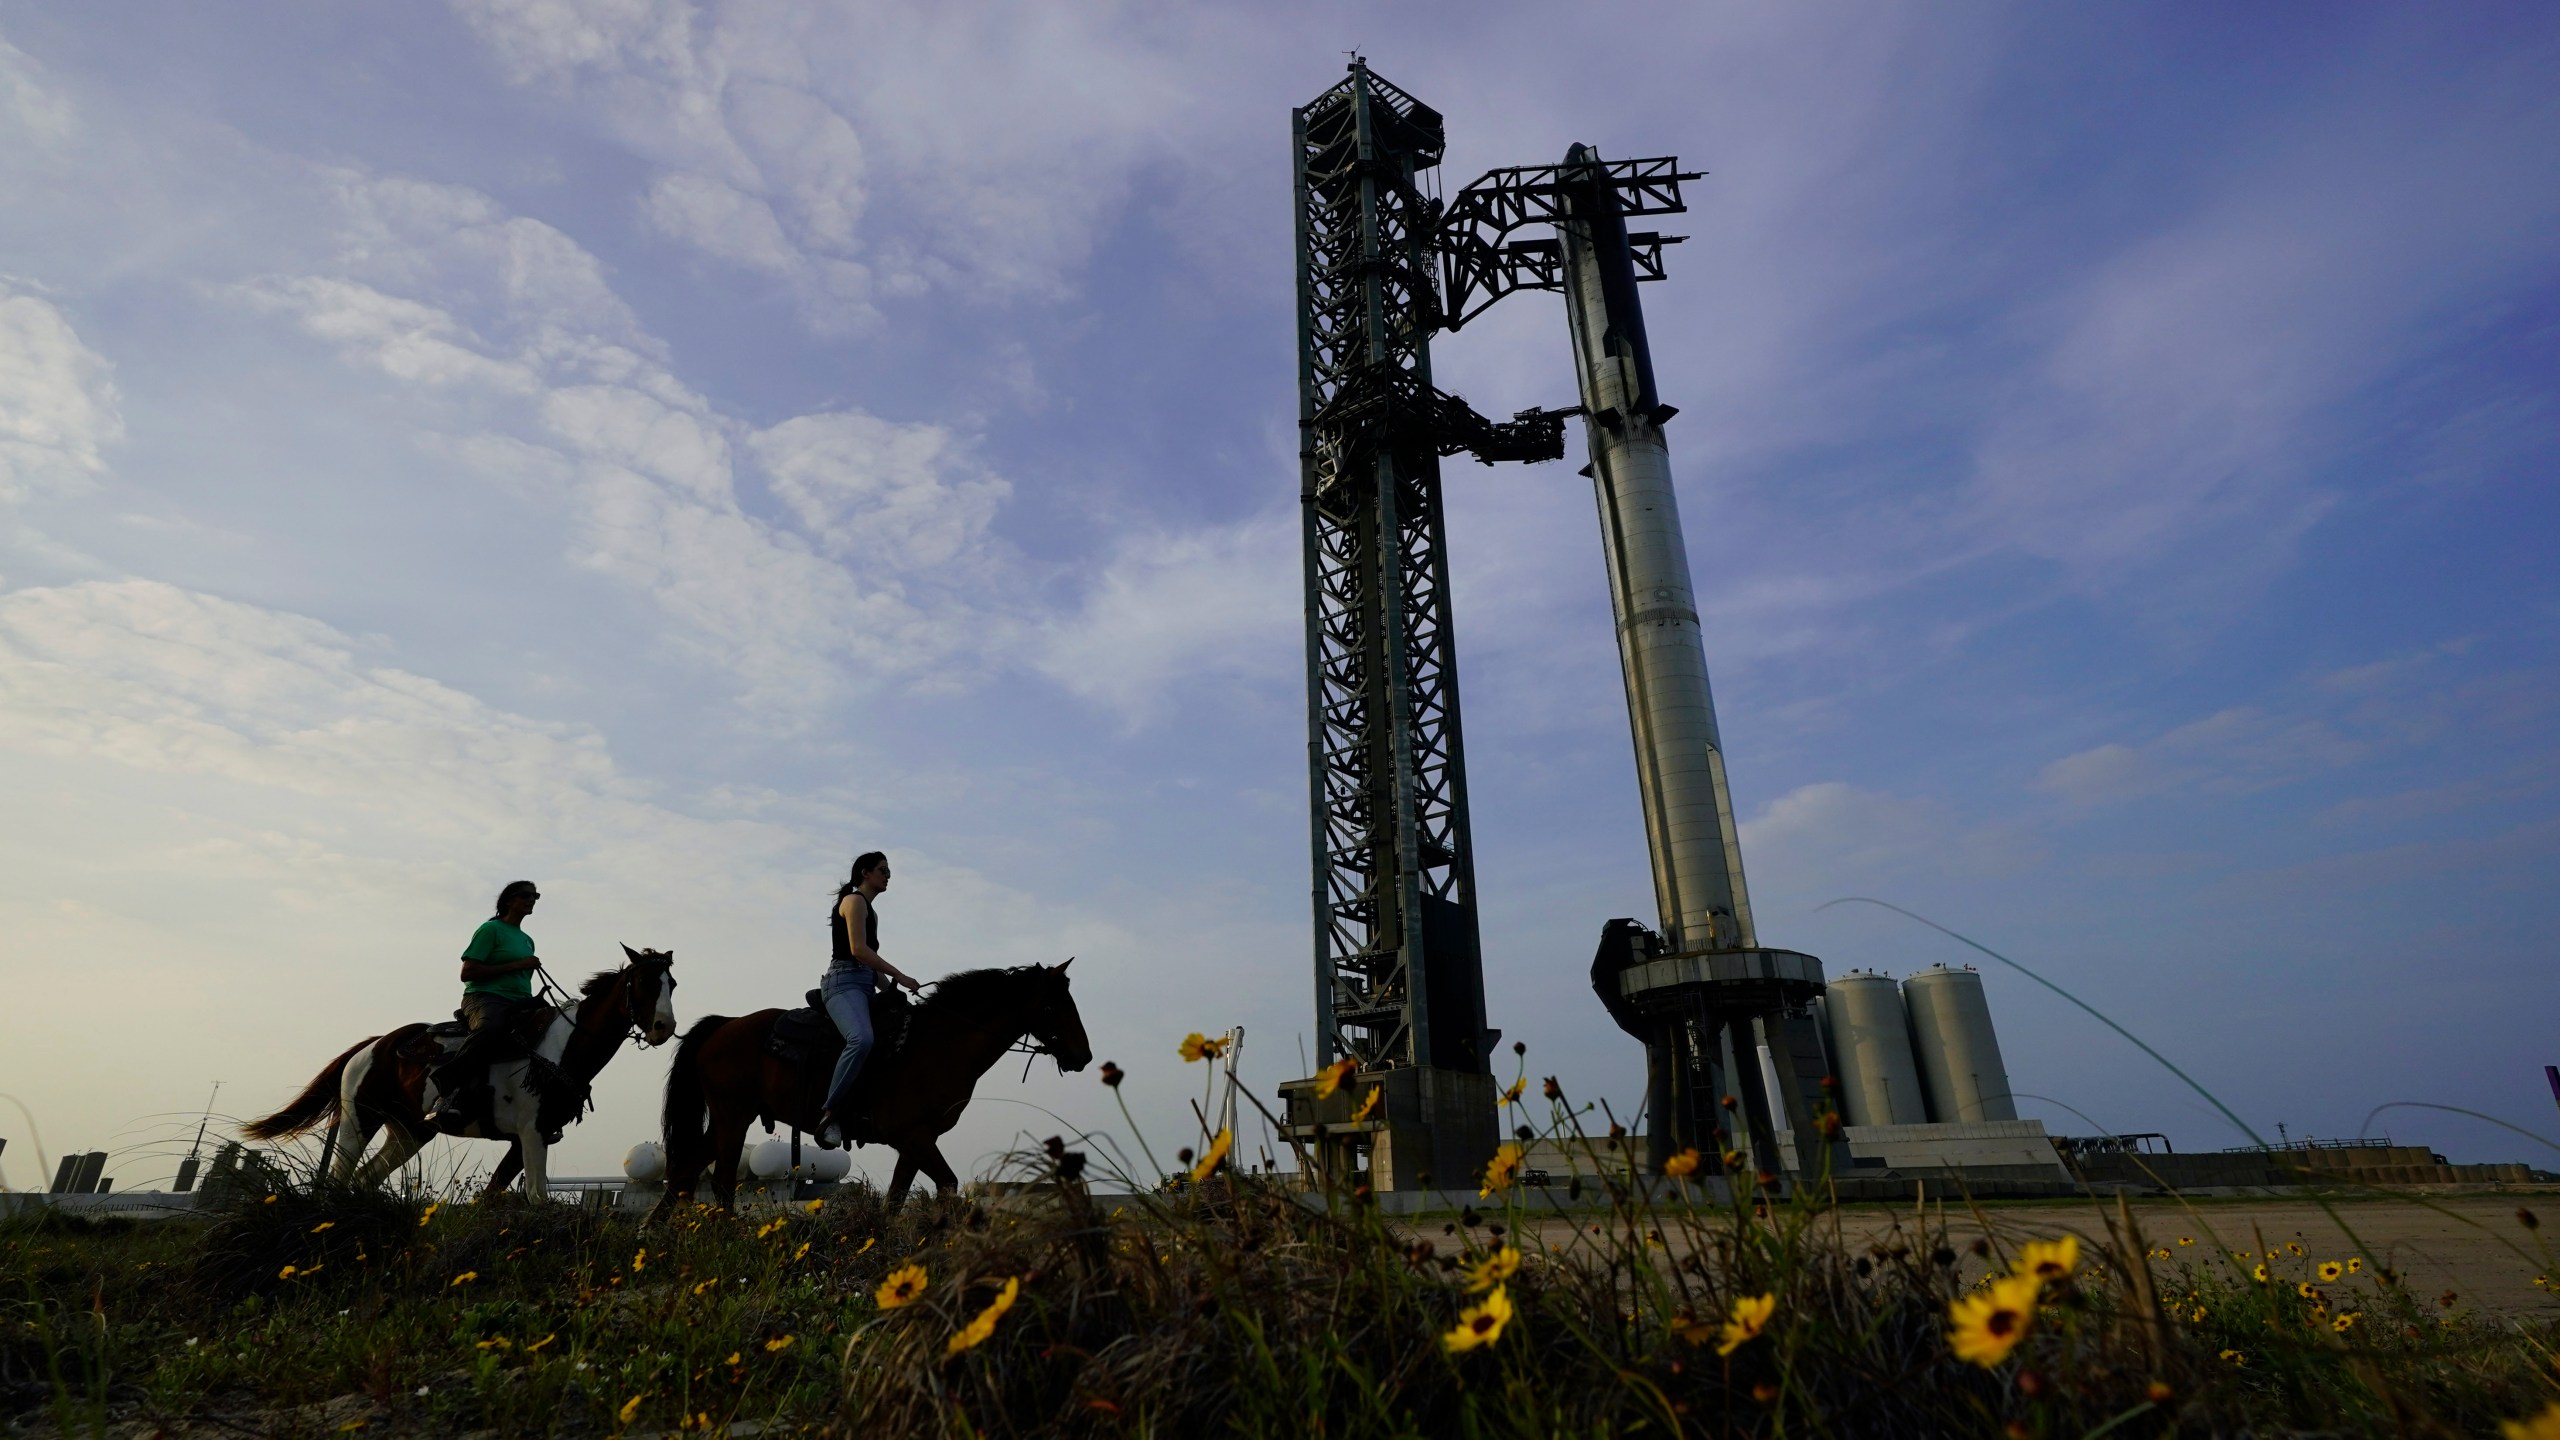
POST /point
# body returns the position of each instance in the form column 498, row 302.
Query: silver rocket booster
column 1688, row 811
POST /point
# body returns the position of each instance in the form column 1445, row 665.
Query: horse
column 386, row 1079
column 725, row 1075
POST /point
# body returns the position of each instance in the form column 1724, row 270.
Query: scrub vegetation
column 1225, row 1302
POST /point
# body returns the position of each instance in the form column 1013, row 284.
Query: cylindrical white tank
column 1958, row 1053
column 1871, row 1051
column 769, row 1160
column 825, row 1164
column 646, row 1164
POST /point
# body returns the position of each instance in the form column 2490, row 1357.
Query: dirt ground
column 2472, row 1245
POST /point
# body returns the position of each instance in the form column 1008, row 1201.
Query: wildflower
column 1551, row 1089
column 1501, row 1170
column 1330, row 1078
column 1216, row 1157
column 1518, row 1088
column 640, row 1260
column 2186, row 1240
column 1479, row 1324
column 2259, row 1274
column 2306, row 1290
column 288, row 1272
column 630, row 1407
column 1493, row 1269
column 2345, row 1321
column 2291, row 1248
column 324, row 1225
column 1196, row 1046
column 2330, row 1270
column 495, row 1342
column 867, row 1244
column 2545, row 1426
column 802, row 1253
column 2198, row 1317
column 429, row 1213
column 705, row 1285
column 545, row 1340
column 465, row 1278
column 2355, row 1264
column 1750, row 1316
column 2159, row 1393
column 270, row 1200
column 2234, row 1356
column 1369, row 1103
column 1732, row 1159
column 774, row 1347
column 975, row 1333
column 194, row 1340
column 2049, row 1260
column 1990, row 1325
column 903, row 1285
column 1682, row 1165
column 1112, row 1074
column 769, row 1227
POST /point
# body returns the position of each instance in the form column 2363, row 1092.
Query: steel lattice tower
column 1399, row 980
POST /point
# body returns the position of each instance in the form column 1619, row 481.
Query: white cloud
column 58, row 408
column 900, row 499
column 41, row 113
column 1831, row 838
column 1221, row 604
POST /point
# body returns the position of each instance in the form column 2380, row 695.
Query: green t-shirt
column 495, row 943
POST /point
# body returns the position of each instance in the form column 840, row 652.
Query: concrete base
column 1430, row 1127
column 1986, row 1149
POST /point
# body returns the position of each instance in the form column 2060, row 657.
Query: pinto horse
column 387, row 1080
column 725, row 1075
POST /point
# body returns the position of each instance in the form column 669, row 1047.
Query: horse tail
column 686, row 1120
column 318, row 1101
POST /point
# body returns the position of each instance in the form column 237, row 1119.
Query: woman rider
column 852, row 974
column 497, row 984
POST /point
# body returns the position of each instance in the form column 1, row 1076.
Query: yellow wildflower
column 1493, row 1269
column 1216, row 1157
column 801, row 1253
column 1501, row 1170
column 706, row 1285
column 769, row 1227
column 867, row 1244
column 2259, row 1274
column 785, row 1343
column 2331, row 1270
column 2234, row 1356
column 1369, row 1103
column 465, row 1278
column 631, row 1407
column 2355, row 1264
column 640, row 1260
column 1682, row 1165
column 2304, row 1289
column 288, row 1272
column 324, row 1225
column 1196, row 1046
column 1330, row 1078
column 1750, row 1316
column 903, row 1285
column 2046, row 1261
column 2345, row 1321
column 1989, row 1325
column 1480, row 1324
column 495, row 1342
column 2545, row 1426
column 545, row 1340
column 975, row 1333
column 429, row 1213
column 814, row 1206
column 1512, row 1095
column 2186, row 1240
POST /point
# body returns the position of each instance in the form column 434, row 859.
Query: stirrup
column 831, row 1135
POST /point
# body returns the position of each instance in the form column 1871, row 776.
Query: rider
column 497, row 986
column 852, row 974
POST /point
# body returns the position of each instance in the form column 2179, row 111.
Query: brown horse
column 386, row 1080
column 725, row 1075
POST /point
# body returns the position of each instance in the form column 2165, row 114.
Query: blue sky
column 663, row 449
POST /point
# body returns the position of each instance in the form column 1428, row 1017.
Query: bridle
column 575, row 1008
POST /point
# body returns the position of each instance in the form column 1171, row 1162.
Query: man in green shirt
column 497, row 985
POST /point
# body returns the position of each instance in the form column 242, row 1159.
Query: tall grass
column 1211, row 1301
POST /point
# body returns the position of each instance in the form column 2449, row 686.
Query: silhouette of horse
column 725, row 1076
column 385, row 1080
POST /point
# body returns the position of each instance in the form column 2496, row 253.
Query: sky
column 662, row 449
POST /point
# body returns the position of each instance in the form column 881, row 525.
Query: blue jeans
column 847, row 992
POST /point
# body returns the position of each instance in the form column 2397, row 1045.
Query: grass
column 1227, row 1304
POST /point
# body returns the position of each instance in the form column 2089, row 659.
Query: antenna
column 186, row 1180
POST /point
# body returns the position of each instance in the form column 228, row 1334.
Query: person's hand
column 909, row 981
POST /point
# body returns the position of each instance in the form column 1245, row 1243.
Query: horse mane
column 596, row 984
column 971, row 991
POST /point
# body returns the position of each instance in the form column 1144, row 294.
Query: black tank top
column 842, row 958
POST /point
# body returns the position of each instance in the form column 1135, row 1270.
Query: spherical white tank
column 1871, row 1051
column 1958, row 1053
column 646, row 1164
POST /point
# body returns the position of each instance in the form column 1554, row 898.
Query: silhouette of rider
column 497, row 987
column 853, row 972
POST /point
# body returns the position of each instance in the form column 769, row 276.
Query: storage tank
column 1959, row 1056
column 1871, row 1051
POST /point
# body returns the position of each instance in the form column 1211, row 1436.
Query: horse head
column 649, row 992
column 1054, row 1020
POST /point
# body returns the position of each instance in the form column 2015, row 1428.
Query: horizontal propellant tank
column 1871, row 1051
column 1958, row 1053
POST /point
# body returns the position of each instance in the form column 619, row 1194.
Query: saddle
column 807, row 1040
